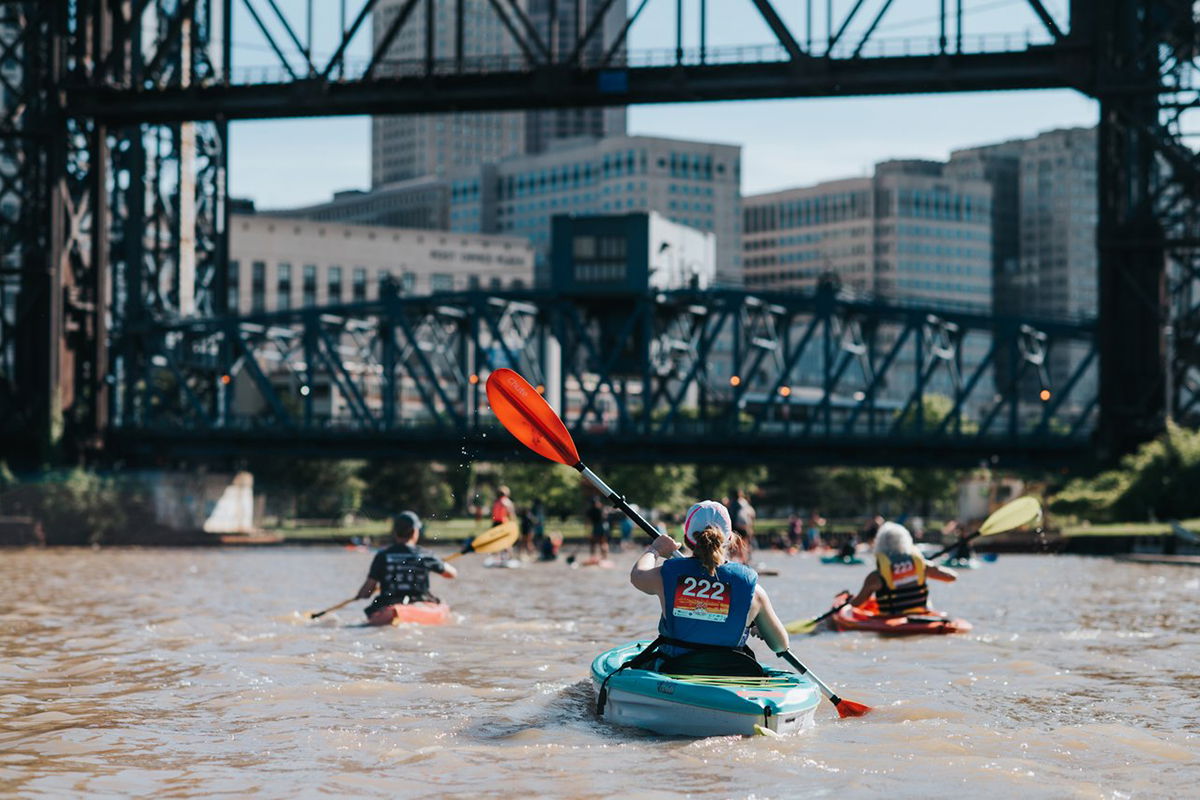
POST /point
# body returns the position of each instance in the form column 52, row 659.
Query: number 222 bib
column 701, row 598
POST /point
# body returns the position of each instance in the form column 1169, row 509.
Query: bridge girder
column 114, row 129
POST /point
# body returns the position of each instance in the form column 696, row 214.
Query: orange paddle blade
column 849, row 708
column 527, row 416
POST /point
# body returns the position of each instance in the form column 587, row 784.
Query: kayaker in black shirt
column 401, row 572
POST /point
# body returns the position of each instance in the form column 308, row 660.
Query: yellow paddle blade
column 498, row 538
column 801, row 626
column 1020, row 512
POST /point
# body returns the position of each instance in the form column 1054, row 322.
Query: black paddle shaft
column 617, row 500
column 950, row 547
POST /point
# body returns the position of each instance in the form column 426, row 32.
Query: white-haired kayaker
column 708, row 603
column 899, row 580
column 401, row 572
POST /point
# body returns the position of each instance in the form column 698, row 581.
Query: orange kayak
column 867, row 618
column 421, row 613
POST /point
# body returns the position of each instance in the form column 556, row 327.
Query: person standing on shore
column 743, row 515
column 812, row 530
column 503, row 510
column 598, row 525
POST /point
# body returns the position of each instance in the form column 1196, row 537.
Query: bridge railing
column 359, row 69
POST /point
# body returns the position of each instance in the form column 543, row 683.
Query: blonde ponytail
column 710, row 548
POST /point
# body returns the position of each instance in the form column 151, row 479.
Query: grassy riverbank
column 443, row 530
column 1129, row 528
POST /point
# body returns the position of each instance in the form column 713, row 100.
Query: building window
column 258, row 285
column 310, row 285
column 283, row 287
column 441, row 282
column 232, row 285
column 359, row 286
column 584, row 247
column 408, row 282
column 333, row 284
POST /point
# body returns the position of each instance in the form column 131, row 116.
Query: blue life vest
column 705, row 609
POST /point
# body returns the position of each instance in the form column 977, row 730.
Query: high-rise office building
column 691, row 183
column 999, row 165
column 909, row 232
column 419, row 203
column 1043, row 221
column 415, row 145
column 561, row 28
column 1058, row 213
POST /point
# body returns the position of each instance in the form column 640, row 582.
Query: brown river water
column 192, row 673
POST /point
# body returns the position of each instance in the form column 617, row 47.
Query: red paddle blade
column 527, row 416
column 849, row 708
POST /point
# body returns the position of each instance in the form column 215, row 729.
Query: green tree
column 317, row 488
column 420, row 486
column 714, row 481
column 556, row 485
column 79, row 507
column 862, row 490
column 1158, row 480
column 665, row 487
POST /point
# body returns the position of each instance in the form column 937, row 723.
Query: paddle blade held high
column 1010, row 516
column 528, row 417
column 1017, row 514
column 501, row 537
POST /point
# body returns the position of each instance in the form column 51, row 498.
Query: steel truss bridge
column 114, row 329
column 676, row 376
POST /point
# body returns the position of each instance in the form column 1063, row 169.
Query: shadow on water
column 571, row 707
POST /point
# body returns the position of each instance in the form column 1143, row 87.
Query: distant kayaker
column 708, row 603
column 899, row 580
column 401, row 572
column 849, row 547
column 962, row 550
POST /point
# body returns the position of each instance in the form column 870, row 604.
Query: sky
column 784, row 143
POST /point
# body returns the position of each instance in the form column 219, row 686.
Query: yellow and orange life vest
column 904, row 589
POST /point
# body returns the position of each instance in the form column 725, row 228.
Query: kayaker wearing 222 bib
column 899, row 582
column 708, row 603
column 401, row 571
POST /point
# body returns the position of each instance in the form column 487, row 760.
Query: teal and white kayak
column 961, row 563
column 703, row 705
column 841, row 560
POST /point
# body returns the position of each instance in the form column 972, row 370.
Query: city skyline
column 786, row 143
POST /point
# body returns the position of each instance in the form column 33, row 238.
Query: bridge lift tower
column 113, row 158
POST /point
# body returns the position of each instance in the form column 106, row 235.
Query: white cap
column 703, row 514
